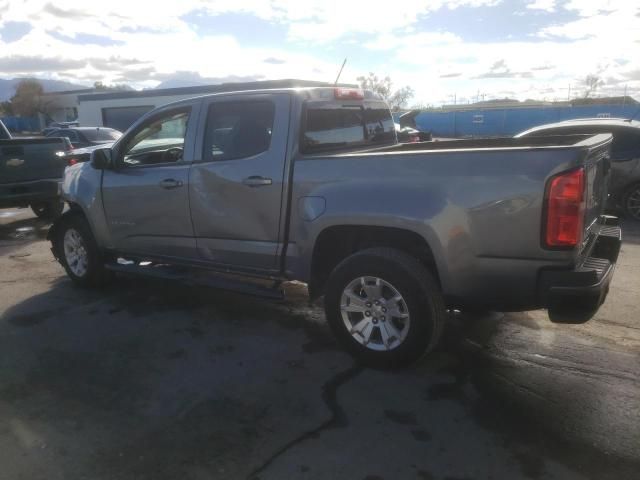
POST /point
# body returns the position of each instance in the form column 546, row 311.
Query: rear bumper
column 574, row 296
column 25, row 193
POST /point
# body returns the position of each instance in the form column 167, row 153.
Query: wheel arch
column 335, row 243
column 73, row 211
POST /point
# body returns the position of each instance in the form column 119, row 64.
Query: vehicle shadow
column 133, row 357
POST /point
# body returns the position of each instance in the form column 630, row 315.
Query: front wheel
column 48, row 210
column 385, row 307
column 78, row 252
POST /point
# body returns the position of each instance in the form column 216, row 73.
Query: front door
column 146, row 197
column 236, row 185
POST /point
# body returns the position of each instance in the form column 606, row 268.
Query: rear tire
column 385, row 307
column 78, row 252
column 631, row 202
column 49, row 210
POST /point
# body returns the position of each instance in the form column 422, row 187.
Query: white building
column 120, row 109
column 62, row 106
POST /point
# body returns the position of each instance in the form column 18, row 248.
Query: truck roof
column 311, row 93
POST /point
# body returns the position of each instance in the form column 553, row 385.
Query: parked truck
column 311, row 185
column 30, row 170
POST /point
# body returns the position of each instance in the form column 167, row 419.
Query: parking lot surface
column 155, row 380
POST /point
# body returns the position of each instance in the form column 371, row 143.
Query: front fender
column 81, row 188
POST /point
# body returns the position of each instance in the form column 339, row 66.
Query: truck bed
column 479, row 203
column 552, row 141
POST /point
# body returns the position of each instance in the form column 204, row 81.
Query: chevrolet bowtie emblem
column 14, row 162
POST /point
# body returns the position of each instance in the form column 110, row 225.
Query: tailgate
column 26, row 159
column 597, row 165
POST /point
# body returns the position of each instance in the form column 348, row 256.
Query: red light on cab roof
column 348, row 93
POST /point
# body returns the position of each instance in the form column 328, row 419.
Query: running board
column 203, row 279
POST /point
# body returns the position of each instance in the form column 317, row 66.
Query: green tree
column 27, row 100
column 384, row 87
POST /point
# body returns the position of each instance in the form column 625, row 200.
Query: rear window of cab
column 329, row 126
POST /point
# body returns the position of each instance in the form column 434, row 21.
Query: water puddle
column 9, row 213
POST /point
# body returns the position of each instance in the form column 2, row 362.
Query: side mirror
column 101, row 159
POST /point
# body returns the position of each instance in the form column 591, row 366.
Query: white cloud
column 152, row 42
column 321, row 21
column 546, row 5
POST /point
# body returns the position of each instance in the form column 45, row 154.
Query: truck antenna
column 340, row 72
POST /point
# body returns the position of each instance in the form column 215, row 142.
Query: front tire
column 78, row 252
column 385, row 307
column 48, row 210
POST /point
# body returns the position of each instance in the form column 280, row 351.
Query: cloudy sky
column 496, row 48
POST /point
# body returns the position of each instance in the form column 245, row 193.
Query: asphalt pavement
column 150, row 379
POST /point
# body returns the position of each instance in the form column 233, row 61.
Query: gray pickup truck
column 311, row 185
column 30, row 171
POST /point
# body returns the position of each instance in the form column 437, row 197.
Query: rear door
column 237, row 178
column 146, row 197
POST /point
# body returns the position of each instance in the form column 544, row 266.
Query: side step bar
column 203, row 279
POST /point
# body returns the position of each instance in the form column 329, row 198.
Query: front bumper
column 23, row 194
column 574, row 296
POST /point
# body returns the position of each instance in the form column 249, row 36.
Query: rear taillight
column 72, row 161
column 348, row 93
column 565, row 206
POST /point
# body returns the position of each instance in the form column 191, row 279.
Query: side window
column 161, row 140
column 238, row 129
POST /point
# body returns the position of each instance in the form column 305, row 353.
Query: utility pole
column 624, row 98
column 569, row 94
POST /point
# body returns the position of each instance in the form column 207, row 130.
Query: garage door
column 122, row 118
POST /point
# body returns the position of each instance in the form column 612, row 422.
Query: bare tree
column 5, row 108
column 383, row 86
column 592, row 83
column 101, row 86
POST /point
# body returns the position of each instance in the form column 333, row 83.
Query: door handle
column 256, row 181
column 169, row 183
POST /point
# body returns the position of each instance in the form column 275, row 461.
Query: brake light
column 348, row 93
column 72, row 161
column 565, row 205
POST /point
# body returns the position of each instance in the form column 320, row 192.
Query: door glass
column 159, row 141
column 238, row 129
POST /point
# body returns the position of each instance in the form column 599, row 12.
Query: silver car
column 624, row 186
